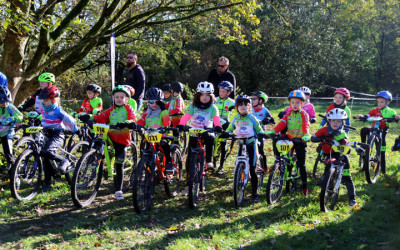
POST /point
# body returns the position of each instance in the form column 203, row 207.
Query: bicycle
column 88, row 172
column 371, row 160
column 150, row 169
column 284, row 171
column 217, row 151
column 26, row 173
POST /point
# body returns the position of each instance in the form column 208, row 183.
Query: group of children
column 247, row 116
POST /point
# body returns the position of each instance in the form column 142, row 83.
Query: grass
column 50, row 221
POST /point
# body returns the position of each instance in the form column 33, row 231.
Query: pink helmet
column 343, row 91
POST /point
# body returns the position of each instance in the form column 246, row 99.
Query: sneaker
column 352, row 202
column 305, row 192
column 46, row 187
column 119, row 195
column 210, row 166
column 64, row 165
column 396, row 146
column 255, row 198
column 169, row 168
column 220, row 171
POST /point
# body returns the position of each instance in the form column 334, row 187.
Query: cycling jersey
column 160, row 120
column 245, row 126
column 297, row 124
column 223, row 106
column 385, row 113
column 132, row 102
column 34, row 100
column 202, row 118
column 261, row 112
column 93, row 106
column 309, row 108
column 323, row 132
column 114, row 115
column 55, row 117
column 176, row 107
column 12, row 114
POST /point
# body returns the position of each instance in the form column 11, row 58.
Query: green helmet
column 121, row 88
column 261, row 95
column 47, row 77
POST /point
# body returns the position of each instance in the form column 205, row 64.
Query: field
column 50, row 221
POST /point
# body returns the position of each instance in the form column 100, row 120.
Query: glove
column 132, row 126
column 224, row 135
column 281, row 114
column 122, row 125
column 161, row 104
column 218, row 129
column 84, row 118
column 21, row 108
column 180, row 127
column 306, row 137
column 313, row 120
column 269, row 132
column 267, row 120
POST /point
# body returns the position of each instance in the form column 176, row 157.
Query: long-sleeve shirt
column 176, row 106
column 296, row 122
column 12, row 114
column 161, row 120
column 137, row 79
column 323, row 132
column 385, row 113
column 93, row 106
column 309, row 108
column 245, row 126
column 58, row 119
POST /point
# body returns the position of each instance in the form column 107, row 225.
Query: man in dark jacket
column 136, row 78
column 222, row 73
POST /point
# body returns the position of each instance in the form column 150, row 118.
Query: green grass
column 51, row 221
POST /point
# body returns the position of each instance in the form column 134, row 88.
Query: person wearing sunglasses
column 222, row 73
column 136, row 78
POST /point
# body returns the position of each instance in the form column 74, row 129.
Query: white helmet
column 305, row 90
column 338, row 114
column 205, row 87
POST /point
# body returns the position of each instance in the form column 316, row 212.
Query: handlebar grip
column 349, row 127
column 322, row 116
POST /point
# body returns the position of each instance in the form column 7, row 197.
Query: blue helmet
column 5, row 95
column 297, row 94
column 226, row 85
column 3, row 80
column 384, row 94
column 243, row 98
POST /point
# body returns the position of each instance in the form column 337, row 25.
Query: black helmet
column 154, row 94
column 94, row 88
column 177, row 86
column 166, row 87
column 243, row 98
column 5, row 94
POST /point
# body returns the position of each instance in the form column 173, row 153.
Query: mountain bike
column 88, row 172
column 217, row 151
column 150, row 169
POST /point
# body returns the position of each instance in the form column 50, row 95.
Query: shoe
column 220, row 171
column 396, row 146
column 64, row 165
column 255, row 198
column 305, row 192
column 46, row 187
column 352, row 202
column 119, row 195
column 210, row 166
column 169, row 168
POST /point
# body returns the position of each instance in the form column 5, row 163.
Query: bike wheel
column 129, row 166
column 173, row 182
column 319, row 166
column 291, row 182
column 194, row 178
column 22, row 144
column 260, row 171
column 143, row 187
column 372, row 163
column 72, row 140
column 77, row 151
column 87, row 178
column 239, row 185
column 183, row 140
column 26, row 175
column 275, row 183
column 329, row 196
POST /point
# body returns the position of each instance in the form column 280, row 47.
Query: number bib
column 196, row 131
column 101, row 128
column 153, row 137
column 33, row 130
column 343, row 149
column 284, row 146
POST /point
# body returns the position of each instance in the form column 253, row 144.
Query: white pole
column 112, row 44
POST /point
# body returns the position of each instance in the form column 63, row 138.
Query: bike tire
column 194, row 178
column 329, row 197
column 143, row 187
column 239, row 184
column 261, row 173
column 291, row 183
column 318, row 165
column 129, row 166
column 373, row 160
column 276, row 181
column 22, row 144
column 77, row 151
column 87, row 178
column 173, row 183
column 26, row 175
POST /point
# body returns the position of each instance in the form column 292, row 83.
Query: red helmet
column 343, row 91
column 49, row 93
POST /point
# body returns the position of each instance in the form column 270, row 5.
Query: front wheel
column 194, row 178
column 75, row 153
column 372, row 162
column 87, row 178
column 143, row 187
column 276, row 180
column 129, row 166
column 26, row 175
column 329, row 196
column 239, row 184
column 173, row 182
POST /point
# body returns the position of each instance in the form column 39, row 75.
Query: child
column 120, row 114
column 308, row 107
column 131, row 101
column 177, row 103
column 246, row 125
column 53, row 116
column 3, row 80
column 334, row 131
column 383, row 99
column 295, row 124
column 92, row 104
column 9, row 115
column 157, row 116
column 340, row 98
column 46, row 80
column 166, row 88
column 202, row 113
column 224, row 105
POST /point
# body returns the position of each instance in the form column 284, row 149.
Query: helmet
column 154, row 94
column 297, row 94
column 337, row 113
column 131, row 89
column 3, row 80
column 384, row 94
column 305, row 90
column 205, row 87
column 5, row 94
column 242, row 98
column 49, row 93
column 121, row 88
column 226, row 85
column 47, row 77
column 166, row 87
column 261, row 95
column 94, row 88
column 343, row 91
column 177, row 87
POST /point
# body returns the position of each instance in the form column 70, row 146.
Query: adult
column 222, row 73
column 136, row 78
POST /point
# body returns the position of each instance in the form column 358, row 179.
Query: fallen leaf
column 97, row 244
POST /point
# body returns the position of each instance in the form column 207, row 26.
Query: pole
column 112, row 44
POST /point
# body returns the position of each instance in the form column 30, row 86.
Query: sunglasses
column 152, row 102
column 221, row 66
column 254, row 98
column 130, row 57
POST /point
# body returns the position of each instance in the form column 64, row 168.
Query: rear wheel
column 143, row 187
column 173, row 182
column 76, row 152
column 239, row 183
column 275, row 183
column 26, row 175
column 372, row 165
column 329, row 196
column 129, row 166
column 291, row 182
